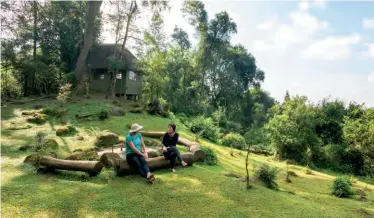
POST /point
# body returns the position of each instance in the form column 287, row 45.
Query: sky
column 314, row 48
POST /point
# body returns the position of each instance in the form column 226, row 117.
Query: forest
column 213, row 87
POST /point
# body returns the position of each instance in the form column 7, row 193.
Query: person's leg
column 178, row 156
column 172, row 160
column 144, row 166
column 132, row 159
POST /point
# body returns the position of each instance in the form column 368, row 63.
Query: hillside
column 198, row 191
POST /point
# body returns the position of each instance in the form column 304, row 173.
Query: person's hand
column 165, row 149
column 145, row 154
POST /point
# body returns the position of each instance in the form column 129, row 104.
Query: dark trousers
column 171, row 154
column 139, row 162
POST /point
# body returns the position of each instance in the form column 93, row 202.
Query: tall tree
column 93, row 10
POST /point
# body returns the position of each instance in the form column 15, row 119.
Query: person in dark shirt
column 170, row 150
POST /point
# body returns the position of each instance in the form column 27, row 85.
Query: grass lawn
column 198, row 191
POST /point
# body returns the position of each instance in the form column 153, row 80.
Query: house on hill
column 128, row 80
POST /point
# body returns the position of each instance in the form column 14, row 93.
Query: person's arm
column 132, row 146
column 164, row 142
column 145, row 154
column 176, row 138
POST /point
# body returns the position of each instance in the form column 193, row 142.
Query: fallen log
column 156, row 163
column 193, row 146
column 91, row 167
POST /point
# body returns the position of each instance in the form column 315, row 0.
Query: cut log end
column 199, row 155
column 109, row 159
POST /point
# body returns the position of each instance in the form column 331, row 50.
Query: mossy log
column 193, row 146
column 122, row 168
column 91, row 167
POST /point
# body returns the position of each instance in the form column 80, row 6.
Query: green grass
column 198, row 191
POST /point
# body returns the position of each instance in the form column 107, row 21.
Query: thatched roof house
column 129, row 79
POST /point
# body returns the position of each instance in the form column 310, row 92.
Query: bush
column 234, row 127
column 267, row 175
column 254, row 136
column 234, row 140
column 10, row 87
column 342, row 188
column 210, row 156
column 184, row 119
column 53, row 112
column 159, row 107
column 206, row 127
column 103, row 115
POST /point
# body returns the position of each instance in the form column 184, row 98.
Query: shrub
column 234, row 140
column 254, row 136
column 103, row 115
column 210, row 156
column 234, row 127
column 53, row 112
column 267, row 175
column 183, row 119
column 342, row 188
column 159, row 107
column 206, row 127
column 10, row 87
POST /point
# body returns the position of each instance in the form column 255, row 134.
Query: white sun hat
column 135, row 127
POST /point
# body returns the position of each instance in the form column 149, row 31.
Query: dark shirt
column 170, row 141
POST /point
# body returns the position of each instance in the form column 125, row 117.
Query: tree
column 291, row 131
column 359, row 135
column 92, row 12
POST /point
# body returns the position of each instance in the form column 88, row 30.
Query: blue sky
column 315, row 48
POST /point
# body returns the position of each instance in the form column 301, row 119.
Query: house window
column 133, row 76
column 119, row 76
column 102, row 76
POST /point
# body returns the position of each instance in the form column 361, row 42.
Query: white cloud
column 371, row 78
column 332, row 47
column 303, row 5
column 266, row 25
column 302, row 27
column 370, row 50
column 320, row 3
column 368, row 23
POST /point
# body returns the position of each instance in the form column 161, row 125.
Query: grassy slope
column 198, row 191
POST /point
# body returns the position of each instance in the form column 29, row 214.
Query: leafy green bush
column 342, row 188
column 234, row 127
column 210, row 156
column 10, row 87
column 267, row 175
column 159, row 107
column 234, row 140
column 206, row 127
column 53, row 112
column 103, row 115
column 183, row 119
column 255, row 136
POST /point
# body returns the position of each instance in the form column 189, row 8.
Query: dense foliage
column 213, row 86
column 234, row 140
column 342, row 188
column 267, row 175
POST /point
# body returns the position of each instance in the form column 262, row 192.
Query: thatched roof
column 98, row 57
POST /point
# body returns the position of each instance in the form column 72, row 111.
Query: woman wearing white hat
column 134, row 143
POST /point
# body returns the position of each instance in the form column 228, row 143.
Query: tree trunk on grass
column 91, row 167
column 93, row 10
column 122, row 168
column 193, row 146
